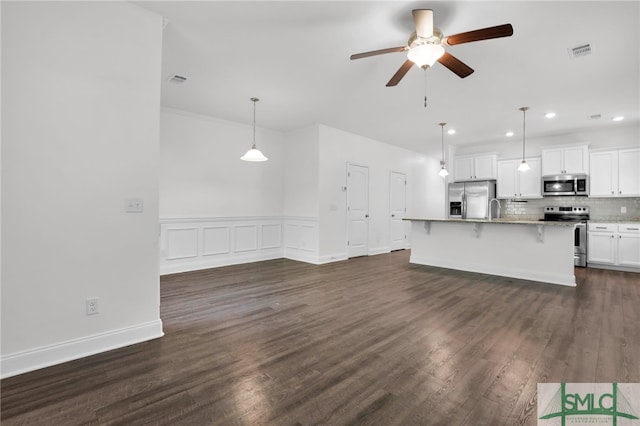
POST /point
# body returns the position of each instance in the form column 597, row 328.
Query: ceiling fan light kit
column 425, row 54
column 254, row 154
column 426, row 46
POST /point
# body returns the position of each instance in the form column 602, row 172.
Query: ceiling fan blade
column 400, row 73
column 423, row 21
column 498, row 31
column 461, row 69
column 378, row 52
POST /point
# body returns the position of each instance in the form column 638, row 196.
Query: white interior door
column 398, row 207
column 357, row 210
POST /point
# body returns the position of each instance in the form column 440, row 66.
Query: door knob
column 393, row 215
column 366, row 215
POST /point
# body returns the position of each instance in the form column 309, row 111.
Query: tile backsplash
column 602, row 209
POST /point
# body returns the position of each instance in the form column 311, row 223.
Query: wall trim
column 379, row 250
column 338, row 257
column 232, row 240
column 46, row 356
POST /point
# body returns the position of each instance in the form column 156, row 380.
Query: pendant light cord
column 524, row 113
column 254, row 121
column 442, row 139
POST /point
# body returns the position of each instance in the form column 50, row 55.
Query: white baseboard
column 613, row 267
column 458, row 264
column 379, row 250
column 46, row 356
column 338, row 257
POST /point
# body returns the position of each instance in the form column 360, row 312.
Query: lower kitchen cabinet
column 614, row 245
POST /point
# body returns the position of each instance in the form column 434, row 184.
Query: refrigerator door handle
column 464, row 205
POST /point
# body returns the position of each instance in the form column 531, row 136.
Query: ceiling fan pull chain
column 425, row 87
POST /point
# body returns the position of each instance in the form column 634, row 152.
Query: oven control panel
column 566, row 210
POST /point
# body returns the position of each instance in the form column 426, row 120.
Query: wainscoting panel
column 182, row 243
column 301, row 236
column 189, row 244
column 246, row 237
column 271, row 236
column 216, row 240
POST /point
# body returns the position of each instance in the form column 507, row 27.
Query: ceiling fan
column 426, row 46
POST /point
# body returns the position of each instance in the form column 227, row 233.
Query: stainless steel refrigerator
column 470, row 200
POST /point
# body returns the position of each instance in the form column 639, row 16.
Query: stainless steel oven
column 565, row 185
column 574, row 214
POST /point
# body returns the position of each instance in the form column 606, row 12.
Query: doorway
column 398, row 210
column 357, row 210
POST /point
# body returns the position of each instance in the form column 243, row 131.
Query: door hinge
column 348, row 174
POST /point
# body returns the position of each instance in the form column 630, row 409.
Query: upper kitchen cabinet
column 568, row 160
column 478, row 167
column 512, row 183
column 615, row 173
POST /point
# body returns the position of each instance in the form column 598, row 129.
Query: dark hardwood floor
column 372, row 340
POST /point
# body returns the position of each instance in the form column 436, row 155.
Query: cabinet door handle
column 601, row 227
column 633, row 229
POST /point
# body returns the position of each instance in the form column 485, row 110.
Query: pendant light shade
column 443, row 167
column 254, row 154
column 523, row 167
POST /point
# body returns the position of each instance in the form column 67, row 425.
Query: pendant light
column 254, row 153
column 523, row 167
column 443, row 168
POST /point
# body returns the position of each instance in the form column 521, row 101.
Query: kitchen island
column 530, row 250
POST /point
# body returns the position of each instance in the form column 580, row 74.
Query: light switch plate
column 134, row 205
column 623, row 209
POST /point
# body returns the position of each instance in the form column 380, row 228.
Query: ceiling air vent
column 595, row 117
column 177, row 78
column 579, row 51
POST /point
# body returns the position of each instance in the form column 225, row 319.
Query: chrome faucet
column 499, row 206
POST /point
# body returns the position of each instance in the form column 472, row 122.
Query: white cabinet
column 603, row 176
column 478, row 167
column 629, row 245
column 615, row 173
column 629, row 172
column 514, row 184
column 601, row 243
column 615, row 245
column 567, row 160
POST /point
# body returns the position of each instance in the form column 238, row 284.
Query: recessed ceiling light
column 451, row 131
column 618, row 118
column 550, row 114
column 508, row 134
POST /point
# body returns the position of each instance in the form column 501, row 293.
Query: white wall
column 337, row 148
column 301, row 172
column 80, row 105
column 201, row 173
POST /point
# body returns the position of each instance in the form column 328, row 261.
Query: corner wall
column 80, row 135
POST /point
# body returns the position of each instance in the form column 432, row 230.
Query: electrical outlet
column 92, row 306
column 623, row 210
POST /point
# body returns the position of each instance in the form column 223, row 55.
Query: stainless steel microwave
column 565, row 185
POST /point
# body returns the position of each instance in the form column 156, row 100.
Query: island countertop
column 498, row 221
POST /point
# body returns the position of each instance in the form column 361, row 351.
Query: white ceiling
column 294, row 56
